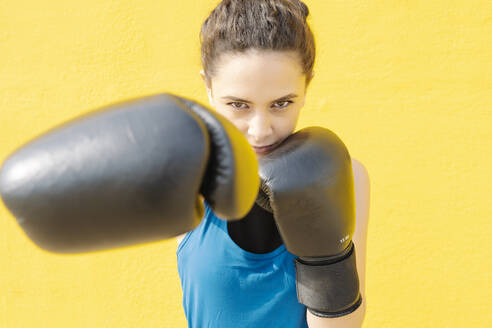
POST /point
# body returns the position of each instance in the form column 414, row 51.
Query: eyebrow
column 289, row 96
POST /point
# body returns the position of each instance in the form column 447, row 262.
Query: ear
column 209, row 90
column 311, row 77
column 202, row 74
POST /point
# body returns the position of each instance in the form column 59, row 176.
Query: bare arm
column 362, row 200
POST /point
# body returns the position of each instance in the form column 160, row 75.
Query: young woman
column 258, row 58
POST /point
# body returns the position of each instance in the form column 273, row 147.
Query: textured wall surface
column 406, row 84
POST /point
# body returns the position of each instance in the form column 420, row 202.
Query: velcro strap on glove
column 329, row 290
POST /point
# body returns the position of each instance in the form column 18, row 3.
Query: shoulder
column 362, row 184
column 360, row 172
column 362, row 200
column 362, row 190
column 180, row 237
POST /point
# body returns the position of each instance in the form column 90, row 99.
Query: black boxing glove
column 129, row 173
column 307, row 183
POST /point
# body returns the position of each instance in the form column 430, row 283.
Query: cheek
column 240, row 124
column 287, row 124
column 284, row 131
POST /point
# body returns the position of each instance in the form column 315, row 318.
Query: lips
column 264, row 149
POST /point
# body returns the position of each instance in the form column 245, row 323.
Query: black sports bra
column 256, row 232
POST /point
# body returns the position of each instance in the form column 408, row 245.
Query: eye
column 285, row 102
column 239, row 105
column 233, row 104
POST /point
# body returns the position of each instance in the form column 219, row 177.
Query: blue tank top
column 226, row 286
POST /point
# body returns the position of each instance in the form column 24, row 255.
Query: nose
column 260, row 127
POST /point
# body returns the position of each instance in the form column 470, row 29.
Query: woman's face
column 261, row 93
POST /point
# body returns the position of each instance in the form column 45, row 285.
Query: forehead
column 259, row 72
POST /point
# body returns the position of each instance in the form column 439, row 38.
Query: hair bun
column 304, row 8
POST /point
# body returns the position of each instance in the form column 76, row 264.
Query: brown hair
column 235, row 26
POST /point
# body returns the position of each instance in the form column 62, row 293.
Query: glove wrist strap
column 329, row 290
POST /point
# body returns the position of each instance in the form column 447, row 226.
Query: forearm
column 351, row 320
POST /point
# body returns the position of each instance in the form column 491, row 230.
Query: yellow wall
column 406, row 85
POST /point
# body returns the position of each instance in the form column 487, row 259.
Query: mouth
column 264, row 149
